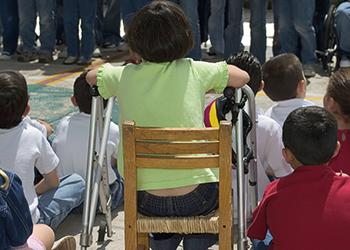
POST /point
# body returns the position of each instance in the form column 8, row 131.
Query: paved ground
column 50, row 86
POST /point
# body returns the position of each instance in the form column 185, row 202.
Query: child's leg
column 57, row 203
column 45, row 234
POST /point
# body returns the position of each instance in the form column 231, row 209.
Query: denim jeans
column 296, row 18
column 56, row 204
column 343, row 23
column 28, row 10
column 264, row 244
column 190, row 7
column 201, row 201
column 234, row 29
column 109, row 23
column 72, row 12
column 129, row 7
column 10, row 21
column 216, row 24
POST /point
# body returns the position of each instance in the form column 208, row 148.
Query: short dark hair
column 13, row 98
column 311, row 134
column 82, row 94
column 249, row 63
column 339, row 89
column 282, row 75
column 160, row 32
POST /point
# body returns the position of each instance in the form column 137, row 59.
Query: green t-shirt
column 170, row 94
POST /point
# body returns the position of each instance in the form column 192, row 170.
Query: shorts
column 32, row 244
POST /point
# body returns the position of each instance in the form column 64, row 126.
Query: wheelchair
column 328, row 52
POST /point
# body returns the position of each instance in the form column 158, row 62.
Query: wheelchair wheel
column 330, row 39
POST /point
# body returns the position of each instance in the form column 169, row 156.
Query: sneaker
column 309, row 70
column 344, row 63
column 63, row 53
column 108, row 45
column 66, row 243
column 45, row 57
column 6, row 56
column 70, row 60
column 27, row 56
column 83, row 61
column 96, row 53
column 123, row 46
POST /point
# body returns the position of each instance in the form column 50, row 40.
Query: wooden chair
column 175, row 146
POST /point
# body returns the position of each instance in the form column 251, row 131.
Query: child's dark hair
column 311, row 134
column 160, row 32
column 282, row 75
column 13, row 98
column 249, row 63
column 339, row 89
column 82, row 94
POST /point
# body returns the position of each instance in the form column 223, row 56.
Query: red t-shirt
column 341, row 162
column 308, row 209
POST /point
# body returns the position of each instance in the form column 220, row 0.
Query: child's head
column 82, row 97
column 13, row 98
column 283, row 75
column 339, row 90
column 311, row 135
column 160, row 32
column 249, row 63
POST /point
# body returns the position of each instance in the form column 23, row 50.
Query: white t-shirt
column 71, row 145
column 269, row 147
column 36, row 124
column 281, row 110
column 22, row 148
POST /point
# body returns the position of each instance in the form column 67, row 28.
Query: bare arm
column 50, row 181
column 91, row 77
column 237, row 78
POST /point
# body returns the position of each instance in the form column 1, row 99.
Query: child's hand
column 48, row 126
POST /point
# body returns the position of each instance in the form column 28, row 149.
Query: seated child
column 22, row 147
column 72, row 141
column 285, row 84
column 16, row 224
column 270, row 161
column 308, row 209
column 337, row 101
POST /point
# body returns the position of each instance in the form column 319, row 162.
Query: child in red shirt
column 308, row 209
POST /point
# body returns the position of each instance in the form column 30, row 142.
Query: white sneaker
column 6, row 56
column 63, row 53
column 123, row 46
column 66, row 243
column 96, row 53
column 70, row 60
column 309, row 70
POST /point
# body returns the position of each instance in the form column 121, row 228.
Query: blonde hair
column 6, row 184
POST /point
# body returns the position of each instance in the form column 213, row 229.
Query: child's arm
column 237, row 78
column 91, row 77
column 48, row 126
column 49, row 181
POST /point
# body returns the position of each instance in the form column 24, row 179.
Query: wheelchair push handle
column 93, row 90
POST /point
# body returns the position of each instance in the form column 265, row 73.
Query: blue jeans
column 295, row 20
column 343, row 23
column 190, row 7
column 56, row 204
column 10, row 21
column 264, row 244
column 109, row 23
column 201, row 201
column 234, row 29
column 28, row 10
column 72, row 12
column 216, row 24
column 129, row 7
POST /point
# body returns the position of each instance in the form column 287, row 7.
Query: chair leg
column 143, row 240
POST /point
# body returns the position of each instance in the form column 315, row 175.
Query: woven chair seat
column 187, row 225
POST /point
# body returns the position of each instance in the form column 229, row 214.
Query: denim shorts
column 201, row 201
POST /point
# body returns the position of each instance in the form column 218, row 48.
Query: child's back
column 285, row 84
column 312, row 202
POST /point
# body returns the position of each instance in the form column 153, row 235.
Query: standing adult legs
column 10, row 21
column 87, row 10
column 216, row 26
